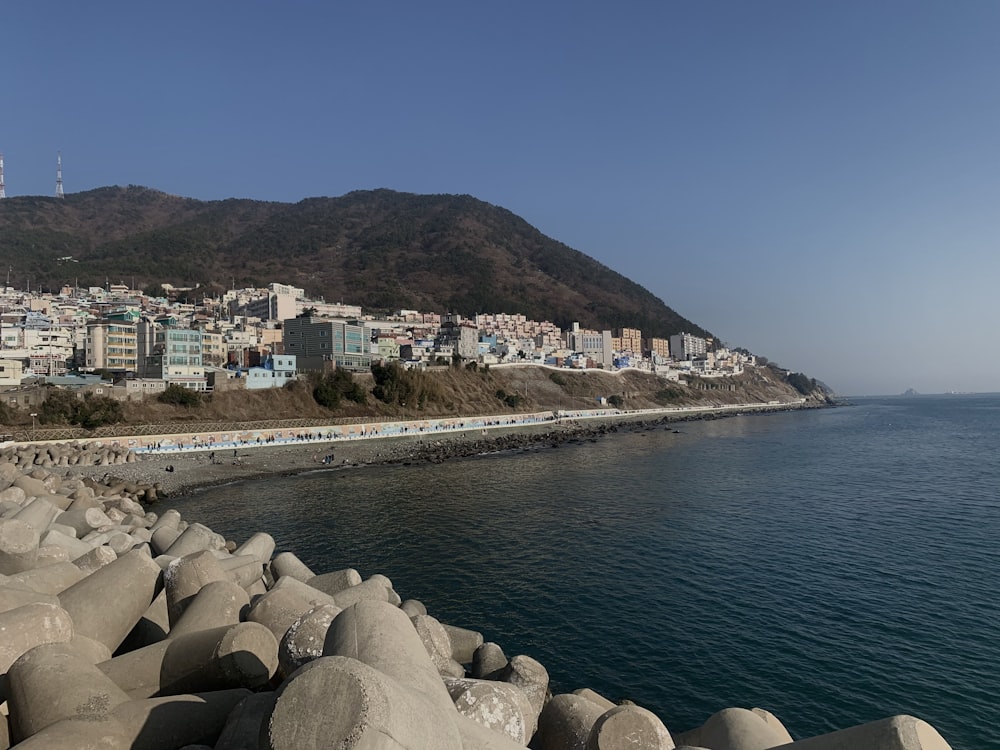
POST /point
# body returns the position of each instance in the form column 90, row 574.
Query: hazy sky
column 817, row 182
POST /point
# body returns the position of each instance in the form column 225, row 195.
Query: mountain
column 381, row 249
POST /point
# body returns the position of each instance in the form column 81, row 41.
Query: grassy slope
column 457, row 391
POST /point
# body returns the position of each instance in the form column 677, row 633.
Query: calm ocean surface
column 833, row 566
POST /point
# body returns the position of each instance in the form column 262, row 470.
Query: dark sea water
column 833, row 566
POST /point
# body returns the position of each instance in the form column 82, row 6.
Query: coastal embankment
column 184, row 461
column 123, row 627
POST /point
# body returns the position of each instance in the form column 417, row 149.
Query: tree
column 393, row 383
column 178, row 395
column 801, row 382
column 59, row 407
column 96, row 411
column 7, row 414
column 329, row 389
column 64, row 407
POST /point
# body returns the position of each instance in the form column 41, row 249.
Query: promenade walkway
column 243, row 439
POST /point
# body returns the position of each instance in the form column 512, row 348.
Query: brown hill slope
column 460, row 391
column 380, row 249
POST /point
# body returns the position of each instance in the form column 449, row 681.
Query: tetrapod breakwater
column 125, row 628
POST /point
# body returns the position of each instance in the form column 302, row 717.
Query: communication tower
column 2, row 193
column 59, row 187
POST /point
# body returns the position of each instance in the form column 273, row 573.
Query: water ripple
column 834, row 567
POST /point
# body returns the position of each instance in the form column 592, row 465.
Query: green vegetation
column 616, row 401
column 802, row 383
column 7, row 414
column 396, row 385
column 178, row 395
column 669, row 395
column 65, row 407
column 330, row 389
column 513, row 400
column 380, row 249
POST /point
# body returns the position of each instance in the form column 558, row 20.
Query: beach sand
column 181, row 473
column 177, row 473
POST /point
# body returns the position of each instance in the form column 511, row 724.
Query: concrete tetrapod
column 566, row 721
column 464, row 642
column 381, row 636
column 413, row 607
column 899, row 732
column 259, row 545
column 530, row 676
column 108, row 603
column 48, row 579
column 278, row 609
column 245, row 570
column 53, row 682
column 80, row 734
column 216, row 604
column 337, row 701
column 96, row 559
column 232, row 656
column 18, row 546
column 47, row 555
column 488, row 661
column 304, row 639
column 38, row 513
column 735, row 729
column 287, row 564
column 152, row 627
column 185, row 577
column 170, row 518
column 84, row 520
column 31, row 625
column 594, row 697
column 162, row 538
column 337, row 580
column 176, row 720
column 438, row 645
column 629, row 726
column 195, row 538
column 12, row 597
column 371, row 589
column 243, row 725
column 497, row 706
column 772, row 721
column 74, row 547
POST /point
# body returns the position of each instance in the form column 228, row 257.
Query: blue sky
column 817, row 182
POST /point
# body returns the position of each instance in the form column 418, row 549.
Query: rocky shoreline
column 127, row 627
column 183, row 473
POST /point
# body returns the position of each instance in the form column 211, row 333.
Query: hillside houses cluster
column 262, row 338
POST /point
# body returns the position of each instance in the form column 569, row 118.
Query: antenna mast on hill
column 2, row 193
column 59, row 187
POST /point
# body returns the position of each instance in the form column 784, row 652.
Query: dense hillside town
column 133, row 344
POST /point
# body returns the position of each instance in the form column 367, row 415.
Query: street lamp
column 33, row 415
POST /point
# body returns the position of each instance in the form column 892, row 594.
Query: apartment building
column 684, row 347
column 318, row 341
column 628, row 340
column 177, row 358
column 111, row 345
